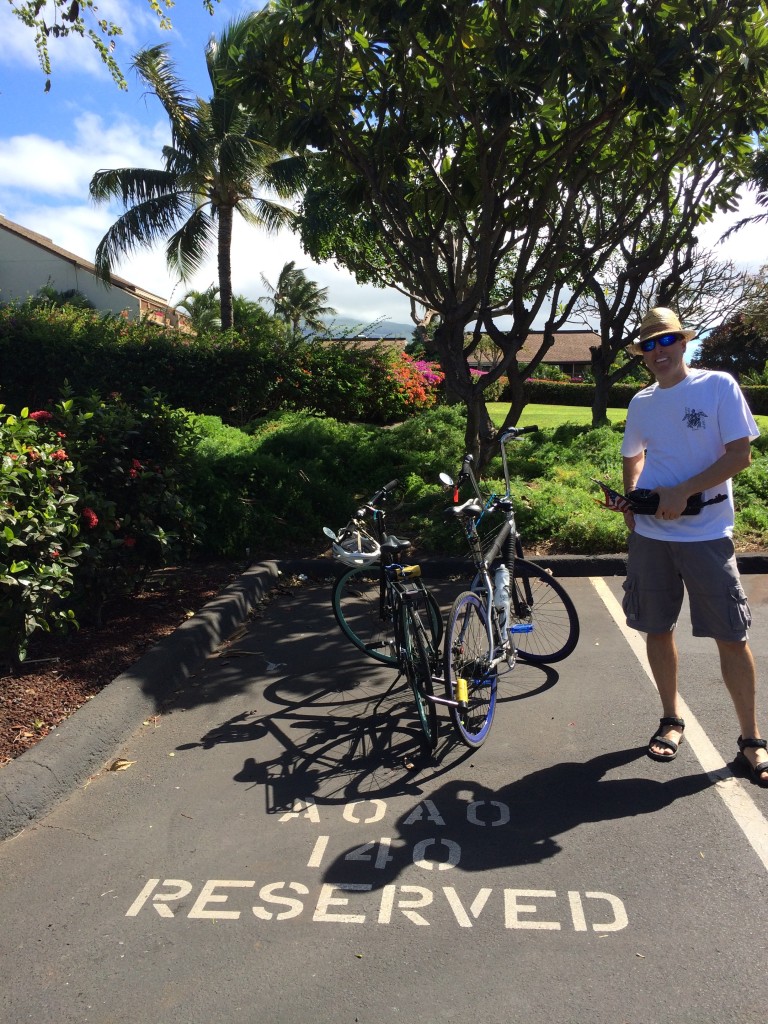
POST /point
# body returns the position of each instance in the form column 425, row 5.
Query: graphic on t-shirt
column 695, row 419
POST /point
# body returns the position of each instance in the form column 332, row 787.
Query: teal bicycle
column 383, row 607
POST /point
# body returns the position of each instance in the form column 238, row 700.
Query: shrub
column 236, row 378
column 128, row 467
column 39, row 527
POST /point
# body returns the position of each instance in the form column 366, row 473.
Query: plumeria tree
column 455, row 143
column 57, row 19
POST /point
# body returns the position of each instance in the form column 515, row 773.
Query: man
column 689, row 432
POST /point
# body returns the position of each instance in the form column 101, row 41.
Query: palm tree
column 202, row 309
column 218, row 157
column 297, row 300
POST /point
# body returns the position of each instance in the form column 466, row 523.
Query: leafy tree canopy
column 456, row 142
column 736, row 346
column 60, row 18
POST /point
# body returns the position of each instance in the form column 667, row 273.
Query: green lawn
column 550, row 416
column 546, row 416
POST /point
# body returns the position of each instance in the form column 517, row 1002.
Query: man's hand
column 629, row 521
column 672, row 501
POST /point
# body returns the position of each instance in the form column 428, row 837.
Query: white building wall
column 25, row 268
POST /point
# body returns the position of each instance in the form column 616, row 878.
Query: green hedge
column 237, row 379
column 757, row 399
column 555, row 392
column 550, row 392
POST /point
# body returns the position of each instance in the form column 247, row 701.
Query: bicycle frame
column 507, row 545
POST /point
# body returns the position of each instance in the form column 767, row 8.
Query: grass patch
column 551, row 416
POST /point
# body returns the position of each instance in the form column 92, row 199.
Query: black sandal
column 662, row 741
column 756, row 773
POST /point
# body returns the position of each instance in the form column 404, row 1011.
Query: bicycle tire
column 467, row 656
column 551, row 612
column 418, row 659
column 357, row 608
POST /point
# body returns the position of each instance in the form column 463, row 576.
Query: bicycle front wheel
column 541, row 602
column 468, row 675
column 419, row 654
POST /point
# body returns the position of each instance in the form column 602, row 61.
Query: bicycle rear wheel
column 467, row 661
column 357, row 606
column 542, row 602
column 420, row 649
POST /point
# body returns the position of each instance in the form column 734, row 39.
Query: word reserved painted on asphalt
column 379, row 900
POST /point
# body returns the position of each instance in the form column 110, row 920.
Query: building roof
column 49, row 246
column 570, row 346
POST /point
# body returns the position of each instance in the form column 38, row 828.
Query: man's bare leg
column 662, row 656
column 738, row 668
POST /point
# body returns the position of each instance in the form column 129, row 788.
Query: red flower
column 129, row 542
column 60, row 455
column 41, row 416
column 54, row 554
column 90, row 517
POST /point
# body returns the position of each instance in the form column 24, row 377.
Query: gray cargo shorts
column 658, row 570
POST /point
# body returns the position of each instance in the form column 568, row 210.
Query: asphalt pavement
column 278, row 848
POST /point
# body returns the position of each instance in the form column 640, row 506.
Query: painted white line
column 732, row 791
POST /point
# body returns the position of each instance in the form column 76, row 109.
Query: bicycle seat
column 394, row 545
column 467, row 508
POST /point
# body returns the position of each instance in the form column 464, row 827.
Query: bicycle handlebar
column 512, row 432
column 383, row 492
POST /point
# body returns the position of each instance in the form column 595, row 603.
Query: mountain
column 338, row 326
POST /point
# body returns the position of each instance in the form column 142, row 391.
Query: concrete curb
column 42, row 776
column 32, row 785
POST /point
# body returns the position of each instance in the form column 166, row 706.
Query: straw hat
column 660, row 320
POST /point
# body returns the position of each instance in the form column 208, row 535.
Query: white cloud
column 748, row 247
column 57, row 168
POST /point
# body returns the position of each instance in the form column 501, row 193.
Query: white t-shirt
column 683, row 430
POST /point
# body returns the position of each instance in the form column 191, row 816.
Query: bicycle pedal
column 521, row 627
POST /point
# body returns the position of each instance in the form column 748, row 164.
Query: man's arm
column 672, row 500
column 633, row 465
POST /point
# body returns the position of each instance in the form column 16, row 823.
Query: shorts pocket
column 739, row 612
column 630, row 602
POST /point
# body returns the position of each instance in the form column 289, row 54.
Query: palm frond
column 188, row 247
column 130, row 184
column 158, row 71
column 266, row 214
column 140, row 227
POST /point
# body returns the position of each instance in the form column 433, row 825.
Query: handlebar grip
column 384, row 491
column 512, row 432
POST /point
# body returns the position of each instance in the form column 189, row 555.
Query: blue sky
column 51, row 144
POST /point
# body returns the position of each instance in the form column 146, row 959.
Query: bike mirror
column 329, row 533
column 446, row 480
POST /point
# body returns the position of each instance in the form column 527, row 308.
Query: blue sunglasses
column 665, row 340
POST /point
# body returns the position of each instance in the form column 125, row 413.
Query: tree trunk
column 459, row 386
column 225, row 265
column 600, row 371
